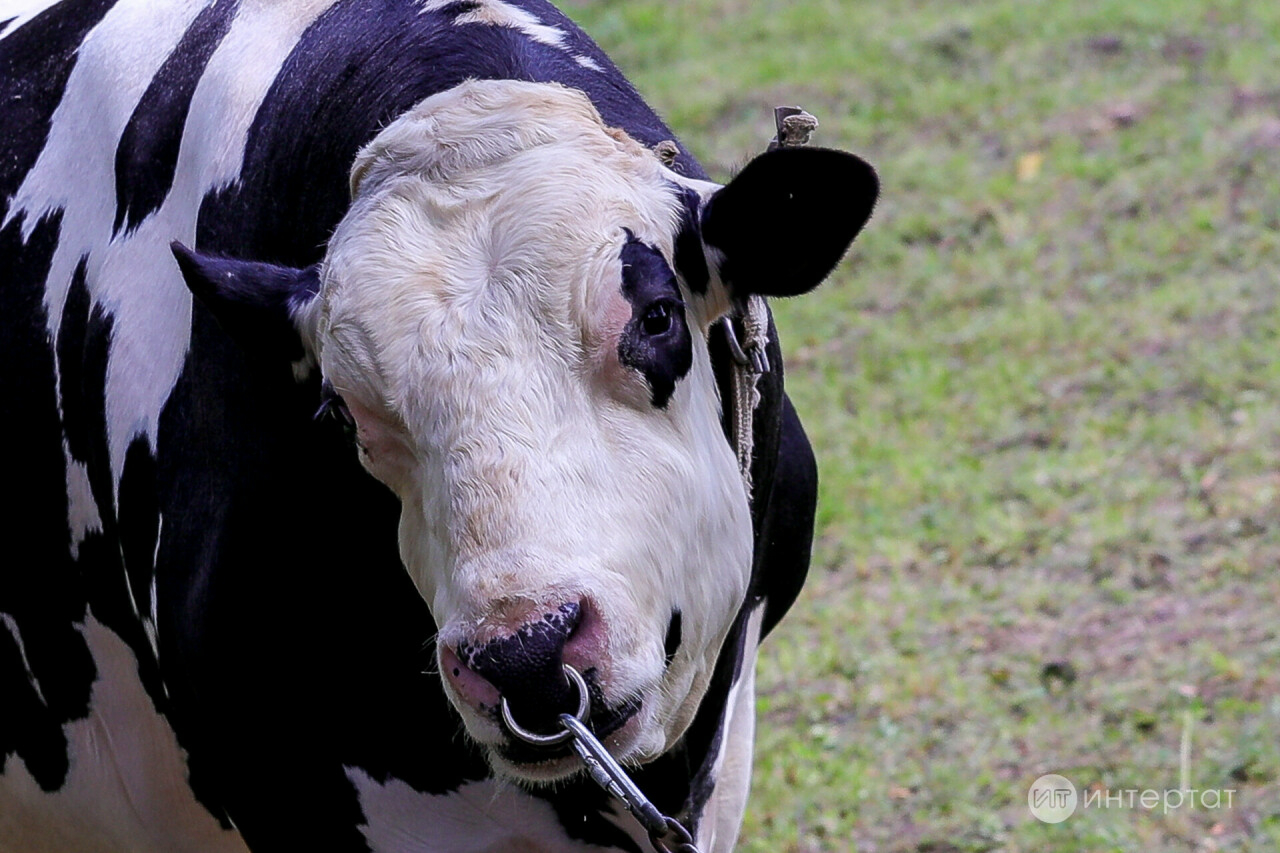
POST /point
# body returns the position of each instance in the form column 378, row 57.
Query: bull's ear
column 261, row 305
column 783, row 223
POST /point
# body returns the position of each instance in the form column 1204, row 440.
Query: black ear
column 255, row 302
column 783, row 223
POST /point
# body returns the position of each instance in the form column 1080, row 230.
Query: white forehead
column 505, row 199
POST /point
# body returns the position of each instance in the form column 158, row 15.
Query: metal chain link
column 666, row 834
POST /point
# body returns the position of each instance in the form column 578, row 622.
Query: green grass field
column 1044, row 390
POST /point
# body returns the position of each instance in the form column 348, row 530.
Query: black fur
column 690, row 261
column 360, row 65
column 656, row 339
column 254, row 302
column 72, row 335
column 40, row 588
column 784, row 222
column 139, row 520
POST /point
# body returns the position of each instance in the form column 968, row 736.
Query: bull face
column 514, row 312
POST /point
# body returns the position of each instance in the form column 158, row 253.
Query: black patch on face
column 656, row 340
column 148, row 151
column 671, row 644
column 691, row 263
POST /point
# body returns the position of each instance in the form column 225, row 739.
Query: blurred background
column 1044, row 390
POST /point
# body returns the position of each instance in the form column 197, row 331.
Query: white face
column 548, row 419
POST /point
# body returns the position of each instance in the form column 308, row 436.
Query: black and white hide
column 443, row 416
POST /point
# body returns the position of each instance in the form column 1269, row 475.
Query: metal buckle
column 752, row 357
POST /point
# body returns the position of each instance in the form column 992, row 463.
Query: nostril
column 671, row 644
column 527, row 667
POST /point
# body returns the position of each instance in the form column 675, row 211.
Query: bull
column 370, row 390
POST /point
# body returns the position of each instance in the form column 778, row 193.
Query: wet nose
column 527, row 668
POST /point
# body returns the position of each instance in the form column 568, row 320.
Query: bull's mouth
column 603, row 720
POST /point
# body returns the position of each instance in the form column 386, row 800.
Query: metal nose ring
column 584, row 707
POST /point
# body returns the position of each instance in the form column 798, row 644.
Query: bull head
column 515, row 311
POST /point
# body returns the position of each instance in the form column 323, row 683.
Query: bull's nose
column 527, row 668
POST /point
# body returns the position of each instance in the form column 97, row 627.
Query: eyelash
column 333, row 407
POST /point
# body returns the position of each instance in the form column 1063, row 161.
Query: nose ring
column 584, row 707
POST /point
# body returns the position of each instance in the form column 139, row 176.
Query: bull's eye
column 334, row 408
column 655, row 341
column 657, row 320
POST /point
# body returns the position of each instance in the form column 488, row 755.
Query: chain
column 666, row 834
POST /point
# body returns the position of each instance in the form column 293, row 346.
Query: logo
column 1052, row 798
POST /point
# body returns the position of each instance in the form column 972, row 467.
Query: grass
column 1044, row 390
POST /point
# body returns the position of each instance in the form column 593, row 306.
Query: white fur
column 75, row 174
column 126, row 789
column 82, row 510
column 471, row 307
column 489, row 816
column 115, row 63
column 153, row 324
